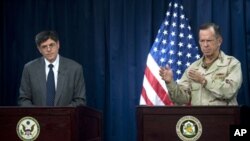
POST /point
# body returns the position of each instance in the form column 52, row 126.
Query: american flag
column 174, row 46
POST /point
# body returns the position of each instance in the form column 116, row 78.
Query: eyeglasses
column 202, row 42
column 50, row 46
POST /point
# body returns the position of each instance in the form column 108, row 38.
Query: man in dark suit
column 61, row 84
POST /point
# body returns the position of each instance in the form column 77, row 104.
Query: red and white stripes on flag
column 174, row 46
column 154, row 91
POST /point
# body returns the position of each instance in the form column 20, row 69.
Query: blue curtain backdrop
column 111, row 39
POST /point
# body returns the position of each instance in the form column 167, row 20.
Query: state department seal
column 28, row 129
column 188, row 128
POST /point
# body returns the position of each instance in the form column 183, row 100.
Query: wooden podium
column 56, row 123
column 160, row 123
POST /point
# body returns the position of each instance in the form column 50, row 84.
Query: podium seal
column 189, row 128
column 28, row 129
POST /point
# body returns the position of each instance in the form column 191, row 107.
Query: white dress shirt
column 55, row 68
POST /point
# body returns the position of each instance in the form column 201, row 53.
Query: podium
column 55, row 123
column 161, row 123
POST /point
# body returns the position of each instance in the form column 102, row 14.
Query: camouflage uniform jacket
column 224, row 78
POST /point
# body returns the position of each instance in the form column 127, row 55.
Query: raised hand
column 166, row 74
column 196, row 76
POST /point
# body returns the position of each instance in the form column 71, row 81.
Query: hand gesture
column 196, row 76
column 166, row 74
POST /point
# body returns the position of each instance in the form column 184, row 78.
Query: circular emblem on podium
column 28, row 129
column 189, row 128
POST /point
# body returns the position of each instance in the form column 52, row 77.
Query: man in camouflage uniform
column 214, row 79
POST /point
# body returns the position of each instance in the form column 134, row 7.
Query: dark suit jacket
column 70, row 84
